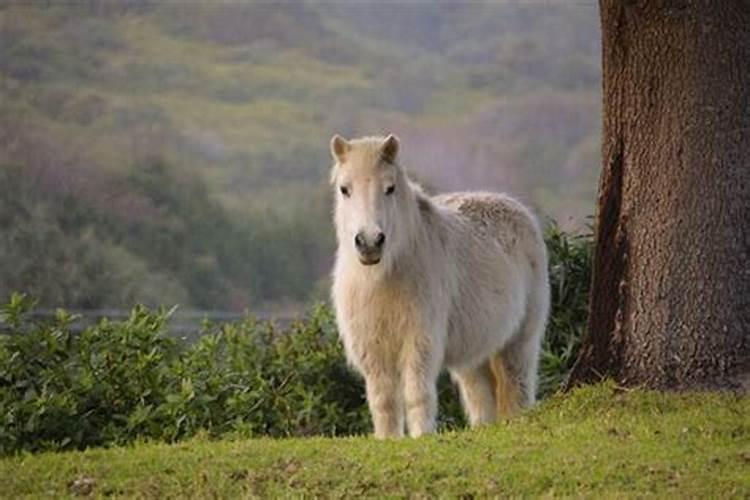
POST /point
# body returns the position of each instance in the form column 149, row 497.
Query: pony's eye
column 345, row 191
column 390, row 189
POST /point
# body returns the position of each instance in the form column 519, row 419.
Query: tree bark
column 670, row 295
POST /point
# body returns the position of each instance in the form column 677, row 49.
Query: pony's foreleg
column 477, row 393
column 420, row 394
column 386, row 404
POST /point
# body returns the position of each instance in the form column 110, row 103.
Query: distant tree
column 670, row 296
column 57, row 257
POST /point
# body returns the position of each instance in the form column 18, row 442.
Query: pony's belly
column 476, row 338
column 487, row 312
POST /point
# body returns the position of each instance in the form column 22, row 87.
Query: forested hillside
column 177, row 152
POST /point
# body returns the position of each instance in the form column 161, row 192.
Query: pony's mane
column 423, row 199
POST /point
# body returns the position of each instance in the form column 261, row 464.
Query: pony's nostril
column 379, row 240
column 359, row 241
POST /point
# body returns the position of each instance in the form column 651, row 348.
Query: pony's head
column 373, row 199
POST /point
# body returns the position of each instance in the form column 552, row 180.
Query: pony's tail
column 507, row 390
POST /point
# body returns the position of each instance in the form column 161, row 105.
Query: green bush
column 120, row 381
column 570, row 275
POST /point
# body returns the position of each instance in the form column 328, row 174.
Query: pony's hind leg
column 520, row 358
column 477, row 393
column 506, row 386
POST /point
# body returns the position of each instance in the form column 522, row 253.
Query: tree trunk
column 670, row 295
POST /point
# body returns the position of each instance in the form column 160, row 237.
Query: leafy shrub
column 570, row 275
column 253, row 379
column 61, row 390
column 119, row 381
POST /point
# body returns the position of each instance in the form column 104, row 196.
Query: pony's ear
column 339, row 148
column 389, row 149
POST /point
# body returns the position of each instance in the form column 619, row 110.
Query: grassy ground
column 595, row 442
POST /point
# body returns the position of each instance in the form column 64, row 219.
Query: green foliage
column 60, row 390
column 570, row 275
column 119, row 381
column 253, row 379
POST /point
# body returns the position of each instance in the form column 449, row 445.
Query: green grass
column 597, row 441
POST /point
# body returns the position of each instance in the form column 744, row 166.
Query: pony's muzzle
column 369, row 251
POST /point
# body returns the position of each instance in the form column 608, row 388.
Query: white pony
column 456, row 281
